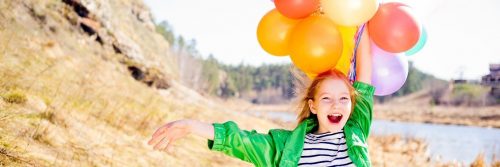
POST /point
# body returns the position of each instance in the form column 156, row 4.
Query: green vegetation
column 469, row 94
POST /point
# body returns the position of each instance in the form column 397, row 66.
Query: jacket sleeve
column 250, row 146
column 363, row 109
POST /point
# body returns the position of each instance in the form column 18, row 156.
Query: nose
column 336, row 104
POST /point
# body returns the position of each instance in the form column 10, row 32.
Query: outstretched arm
column 364, row 59
column 228, row 138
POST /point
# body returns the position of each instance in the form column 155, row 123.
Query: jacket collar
column 295, row 143
column 311, row 124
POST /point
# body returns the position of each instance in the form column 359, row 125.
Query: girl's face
column 331, row 104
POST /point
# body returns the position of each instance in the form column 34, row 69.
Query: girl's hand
column 164, row 136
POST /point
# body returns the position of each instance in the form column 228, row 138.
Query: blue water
column 450, row 142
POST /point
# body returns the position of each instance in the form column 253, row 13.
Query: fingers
column 162, row 144
column 163, row 139
column 159, row 131
column 162, row 133
column 162, row 129
column 166, row 144
column 155, row 139
column 164, row 136
column 169, row 147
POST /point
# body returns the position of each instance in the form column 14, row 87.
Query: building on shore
column 493, row 80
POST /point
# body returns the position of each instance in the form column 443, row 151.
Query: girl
column 333, row 127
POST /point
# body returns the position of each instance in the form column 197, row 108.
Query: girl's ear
column 311, row 106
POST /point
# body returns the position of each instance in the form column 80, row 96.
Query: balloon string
column 357, row 38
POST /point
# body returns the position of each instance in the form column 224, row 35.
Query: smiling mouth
column 334, row 118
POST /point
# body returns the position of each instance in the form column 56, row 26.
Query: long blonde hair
column 306, row 89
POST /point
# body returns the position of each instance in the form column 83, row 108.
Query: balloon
column 349, row 12
column 273, row 33
column 311, row 76
column 315, row 45
column 344, row 63
column 296, row 9
column 394, row 28
column 389, row 71
column 420, row 44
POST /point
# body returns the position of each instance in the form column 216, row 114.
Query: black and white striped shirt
column 327, row 149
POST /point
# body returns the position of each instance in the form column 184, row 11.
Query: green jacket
column 283, row 147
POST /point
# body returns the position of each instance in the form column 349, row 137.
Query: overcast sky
column 463, row 35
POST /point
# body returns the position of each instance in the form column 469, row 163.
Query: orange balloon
column 394, row 28
column 315, row 44
column 296, row 9
column 273, row 33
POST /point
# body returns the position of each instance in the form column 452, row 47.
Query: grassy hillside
column 72, row 98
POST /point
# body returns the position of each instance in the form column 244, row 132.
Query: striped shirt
column 326, row 149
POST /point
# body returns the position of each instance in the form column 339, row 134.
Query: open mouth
column 334, row 118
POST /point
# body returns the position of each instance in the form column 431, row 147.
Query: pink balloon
column 389, row 71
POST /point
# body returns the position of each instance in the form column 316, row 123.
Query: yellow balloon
column 273, row 33
column 315, row 45
column 349, row 12
column 344, row 63
column 311, row 76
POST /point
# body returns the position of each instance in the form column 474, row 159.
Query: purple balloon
column 389, row 71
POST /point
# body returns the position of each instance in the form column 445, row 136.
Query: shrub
column 469, row 94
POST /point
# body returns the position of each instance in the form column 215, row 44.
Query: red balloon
column 296, row 9
column 394, row 27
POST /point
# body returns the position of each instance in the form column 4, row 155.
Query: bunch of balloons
column 318, row 35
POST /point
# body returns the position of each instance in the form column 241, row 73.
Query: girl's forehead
column 334, row 86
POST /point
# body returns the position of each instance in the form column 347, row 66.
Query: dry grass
column 479, row 161
column 15, row 96
column 393, row 150
column 67, row 101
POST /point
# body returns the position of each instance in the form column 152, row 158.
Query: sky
column 463, row 35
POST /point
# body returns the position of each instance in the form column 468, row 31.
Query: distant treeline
column 268, row 83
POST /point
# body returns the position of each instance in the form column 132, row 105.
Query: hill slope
column 85, row 84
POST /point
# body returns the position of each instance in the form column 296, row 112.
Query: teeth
column 335, row 115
